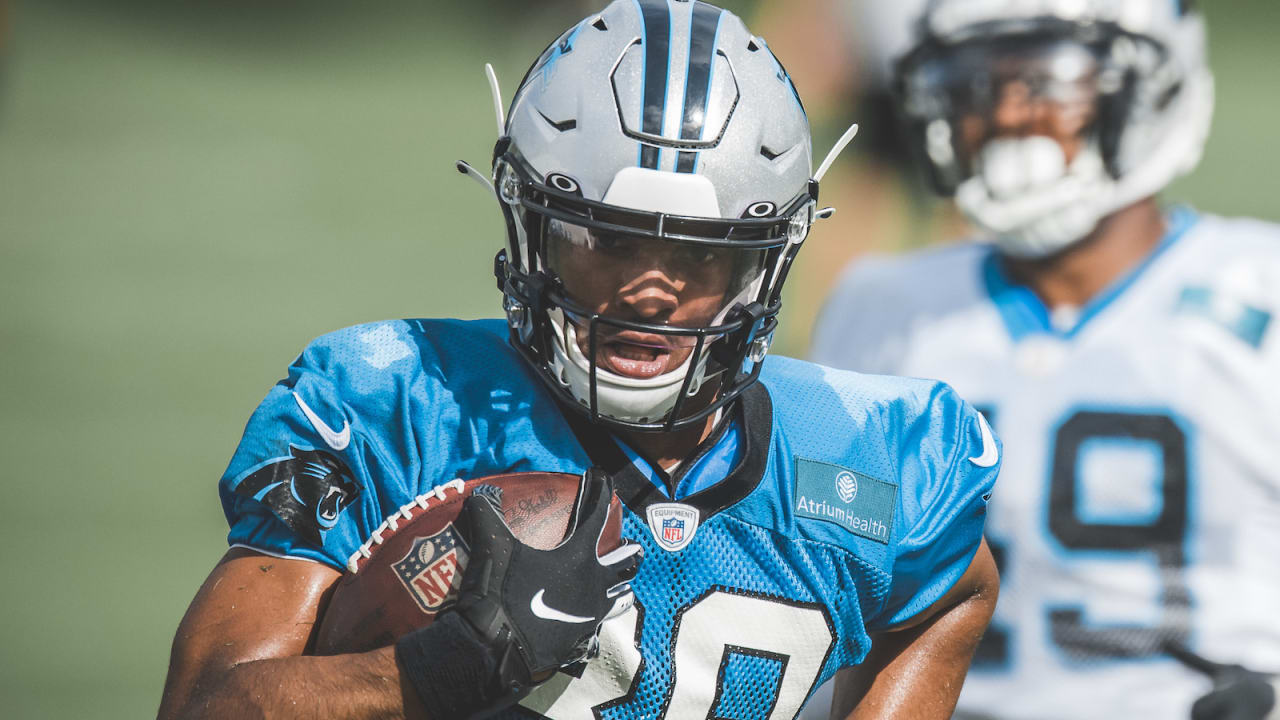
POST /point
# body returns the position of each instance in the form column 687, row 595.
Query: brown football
column 410, row 568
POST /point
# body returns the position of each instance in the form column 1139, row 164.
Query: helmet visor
column 657, row 281
column 1012, row 86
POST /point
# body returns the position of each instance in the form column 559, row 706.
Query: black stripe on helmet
column 697, row 88
column 657, row 51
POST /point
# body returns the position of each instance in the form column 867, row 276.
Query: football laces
column 406, row 512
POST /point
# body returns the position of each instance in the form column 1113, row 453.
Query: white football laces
column 406, row 512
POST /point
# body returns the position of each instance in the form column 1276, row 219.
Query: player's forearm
column 366, row 686
column 922, row 669
column 916, row 673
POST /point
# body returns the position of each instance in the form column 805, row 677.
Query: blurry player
column 1126, row 352
column 654, row 173
column 841, row 53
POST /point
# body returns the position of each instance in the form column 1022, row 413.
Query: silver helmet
column 1131, row 73
column 663, row 126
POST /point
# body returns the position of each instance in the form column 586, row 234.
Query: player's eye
column 708, row 255
column 607, row 241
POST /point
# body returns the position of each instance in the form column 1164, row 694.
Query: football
column 410, row 568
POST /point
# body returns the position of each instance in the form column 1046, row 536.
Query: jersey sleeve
column 950, row 459
column 305, row 479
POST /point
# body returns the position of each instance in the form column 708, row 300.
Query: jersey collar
column 754, row 415
column 1025, row 314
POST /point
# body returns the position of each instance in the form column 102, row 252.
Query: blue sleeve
column 305, row 480
column 949, row 462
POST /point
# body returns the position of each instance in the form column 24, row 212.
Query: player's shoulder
column 1230, row 235
column 362, row 353
column 878, row 298
column 800, row 378
column 875, row 459
column 1213, row 246
column 836, row 412
column 376, row 365
column 953, row 271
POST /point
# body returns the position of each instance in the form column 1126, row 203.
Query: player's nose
column 653, row 295
column 1015, row 110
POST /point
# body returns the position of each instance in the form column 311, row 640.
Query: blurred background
column 190, row 191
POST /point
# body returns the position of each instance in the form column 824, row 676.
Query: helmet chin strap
column 1036, row 205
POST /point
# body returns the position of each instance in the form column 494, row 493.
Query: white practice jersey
column 1139, row 501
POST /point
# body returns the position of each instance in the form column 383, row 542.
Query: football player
column 654, row 172
column 1125, row 351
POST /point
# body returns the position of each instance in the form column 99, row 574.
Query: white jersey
column 1139, row 502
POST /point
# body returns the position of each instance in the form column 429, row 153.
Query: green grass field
column 187, row 200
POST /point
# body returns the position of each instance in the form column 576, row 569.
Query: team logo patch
column 673, row 524
column 1245, row 321
column 859, row 503
column 307, row 491
column 432, row 570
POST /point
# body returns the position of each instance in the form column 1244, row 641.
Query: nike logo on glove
column 989, row 454
column 335, row 440
column 546, row 612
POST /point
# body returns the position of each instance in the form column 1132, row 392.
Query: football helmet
column 662, row 130
column 1127, row 78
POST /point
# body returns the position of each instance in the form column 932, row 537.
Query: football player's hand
column 1238, row 694
column 521, row 613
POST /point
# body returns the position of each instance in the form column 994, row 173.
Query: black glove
column 521, row 613
column 1238, row 694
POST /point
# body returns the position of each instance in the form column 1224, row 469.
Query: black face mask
column 950, row 94
column 742, row 263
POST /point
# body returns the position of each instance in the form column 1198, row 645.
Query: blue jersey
column 851, row 503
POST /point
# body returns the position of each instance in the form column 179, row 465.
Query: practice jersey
column 856, row 502
column 1140, row 503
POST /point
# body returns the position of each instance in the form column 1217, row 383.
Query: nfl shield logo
column 673, row 530
column 432, row 569
column 673, row 524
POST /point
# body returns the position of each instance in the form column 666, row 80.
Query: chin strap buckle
column 524, row 296
column 748, row 341
column 500, row 269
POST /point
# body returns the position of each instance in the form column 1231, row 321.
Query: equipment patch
column 673, row 524
column 307, row 491
column 431, row 571
column 858, row 503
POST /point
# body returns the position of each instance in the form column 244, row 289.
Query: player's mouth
column 639, row 356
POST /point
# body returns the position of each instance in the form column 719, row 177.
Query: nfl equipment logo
column 673, row 524
column 432, row 570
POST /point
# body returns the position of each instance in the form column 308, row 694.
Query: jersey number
column 739, row 630
column 1159, row 535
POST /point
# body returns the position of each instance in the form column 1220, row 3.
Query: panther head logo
column 307, row 491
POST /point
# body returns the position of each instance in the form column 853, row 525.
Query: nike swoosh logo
column 336, row 440
column 989, row 454
column 546, row 612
